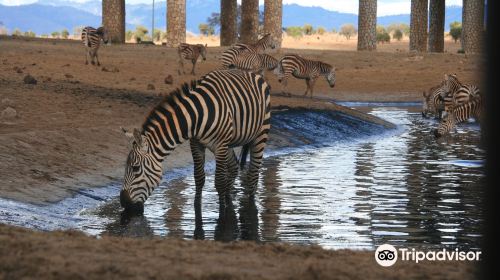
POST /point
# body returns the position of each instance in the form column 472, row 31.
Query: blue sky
column 385, row 7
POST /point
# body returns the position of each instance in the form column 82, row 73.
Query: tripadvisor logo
column 387, row 255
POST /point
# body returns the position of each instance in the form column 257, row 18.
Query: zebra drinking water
column 91, row 39
column 461, row 113
column 225, row 109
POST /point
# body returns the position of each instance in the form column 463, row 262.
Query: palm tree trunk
column 113, row 19
column 273, row 13
column 472, row 26
column 418, row 25
column 436, row 26
column 249, row 21
column 176, row 22
column 367, row 25
column 228, row 22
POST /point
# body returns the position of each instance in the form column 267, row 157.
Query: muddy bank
column 72, row 255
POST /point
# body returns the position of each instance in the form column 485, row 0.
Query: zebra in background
column 302, row 68
column 225, row 109
column 461, row 113
column 255, row 62
column 230, row 55
column 190, row 52
column 433, row 102
column 91, row 39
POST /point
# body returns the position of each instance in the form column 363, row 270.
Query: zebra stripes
column 433, row 102
column 229, row 56
column 257, row 63
column 302, row 68
column 91, row 39
column 223, row 110
column 460, row 96
column 190, row 52
column 461, row 113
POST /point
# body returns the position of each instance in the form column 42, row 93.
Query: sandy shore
column 64, row 134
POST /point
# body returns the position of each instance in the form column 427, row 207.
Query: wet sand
column 65, row 135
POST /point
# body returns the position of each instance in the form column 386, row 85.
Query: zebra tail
column 243, row 156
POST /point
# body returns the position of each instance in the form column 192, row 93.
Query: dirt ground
column 63, row 133
column 72, row 255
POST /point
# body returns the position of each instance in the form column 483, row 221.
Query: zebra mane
column 170, row 100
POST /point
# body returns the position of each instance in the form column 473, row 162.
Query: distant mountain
column 55, row 15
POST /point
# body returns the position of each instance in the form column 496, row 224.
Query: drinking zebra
column 230, row 55
column 225, row 109
column 91, row 39
column 190, row 52
column 255, row 62
column 433, row 102
column 302, row 68
column 461, row 113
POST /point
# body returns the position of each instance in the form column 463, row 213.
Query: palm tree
column 472, row 25
column 273, row 13
column 418, row 25
column 249, row 21
column 113, row 19
column 436, row 26
column 367, row 25
column 228, row 22
column 176, row 22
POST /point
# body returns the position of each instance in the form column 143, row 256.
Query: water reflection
column 406, row 189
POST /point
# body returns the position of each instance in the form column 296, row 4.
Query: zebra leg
column 87, row 54
column 97, row 58
column 92, row 57
column 311, row 86
column 181, row 65
column 308, row 85
column 256, row 155
column 198, row 153
column 232, row 169
column 221, row 174
column 194, row 65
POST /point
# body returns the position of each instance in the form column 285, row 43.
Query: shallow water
column 355, row 185
column 402, row 188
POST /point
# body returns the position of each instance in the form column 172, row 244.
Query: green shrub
column 55, row 34
column 348, row 30
column 308, row 29
column 398, row 35
column 294, row 31
column 206, row 29
column 455, row 30
column 321, row 30
column 64, row 34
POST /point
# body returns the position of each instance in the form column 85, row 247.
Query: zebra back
column 471, row 109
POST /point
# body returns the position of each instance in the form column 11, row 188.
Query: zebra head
column 450, row 83
column 331, row 77
column 267, row 40
column 203, row 51
column 101, row 31
column 143, row 173
column 445, row 126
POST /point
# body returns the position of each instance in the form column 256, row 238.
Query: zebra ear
column 129, row 135
column 137, row 136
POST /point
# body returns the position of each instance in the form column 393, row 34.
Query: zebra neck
column 168, row 126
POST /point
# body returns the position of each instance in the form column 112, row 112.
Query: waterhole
column 355, row 191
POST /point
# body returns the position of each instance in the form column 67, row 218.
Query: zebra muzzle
column 130, row 206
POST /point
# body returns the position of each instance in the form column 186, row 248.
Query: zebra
column 457, row 93
column 190, row 52
column 302, row 68
column 223, row 110
column 433, row 101
column 230, row 55
column 91, row 39
column 255, row 62
column 461, row 113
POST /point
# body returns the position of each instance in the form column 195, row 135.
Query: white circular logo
column 386, row 255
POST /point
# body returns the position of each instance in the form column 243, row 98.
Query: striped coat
column 192, row 53
column 473, row 108
column 91, row 39
column 254, row 62
column 223, row 110
column 433, row 103
column 229, row 56
column 302, row 68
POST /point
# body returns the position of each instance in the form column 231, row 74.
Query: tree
column 64, row 34
column 17, row 32
column 398, row 35
column 206, row 29
column 294, row 31
column 455, row 30
column 55, row 34
column 436, row 26
column 321, row 30
column 418, row 25
column 367, row 22
column 273, row 20
column 382, row 35
column 348, row 30
column 29, row 34
column 140, row 33
column 129, row 35
column 157, row 35
column 472, row 25
column 308, row 29
column 228, row 21
column 249, row 21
